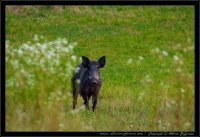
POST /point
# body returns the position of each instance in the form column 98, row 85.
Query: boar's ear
column 102, row 61
column 85, row 62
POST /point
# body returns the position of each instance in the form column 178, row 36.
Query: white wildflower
column 68, row 94
column 176, row 58
column 25, row 46
column 36, row 38
column 50, row 43
column 187, row 124
column 75, row 43
column 59, row 92
column 82, row 107
column 191, row 48
column 57, row 62
column 71, row 46
column 61, row 125
column 140, row 58
column 44, row 46
column 58, row 42
column 15, row 62
column 69, row 66
column 65, row 41
column 165, row 53
column 173, row 102
column 168, row 124
column 178, row 45
column 148, row 79
column 66, row 50
column 168, row 104
column 157, row 50
column 7, row 42
column 189, row 40
column 129, row 61
column 57, row 99
column 77, row 69
column 182, row 90
column 141, row 94
column 184, row 50
column 178, row 70
column 20, row 52
column 31, row 48
column 181, row 62
column 73, row 57
column 44, row 55
column 41, row 37
column 38, row 44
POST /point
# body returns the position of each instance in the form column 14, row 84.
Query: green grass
column 148, row 80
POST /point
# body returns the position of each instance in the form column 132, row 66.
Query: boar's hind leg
column 75, row 94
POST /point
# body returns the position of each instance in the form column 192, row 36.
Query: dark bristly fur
column 86, row 81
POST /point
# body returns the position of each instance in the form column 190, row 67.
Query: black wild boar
column 86, row 81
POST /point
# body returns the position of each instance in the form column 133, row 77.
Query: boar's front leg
column 94, row 97
column 74, row 92
column 94, row 102
column 86, row 102
column 75, row 95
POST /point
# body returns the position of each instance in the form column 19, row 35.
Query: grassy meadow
column 148, row 79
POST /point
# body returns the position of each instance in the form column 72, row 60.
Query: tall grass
column 148, row 80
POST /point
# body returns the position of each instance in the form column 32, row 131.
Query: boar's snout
column 93, row 83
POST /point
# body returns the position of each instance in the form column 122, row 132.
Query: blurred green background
column 148, row 80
